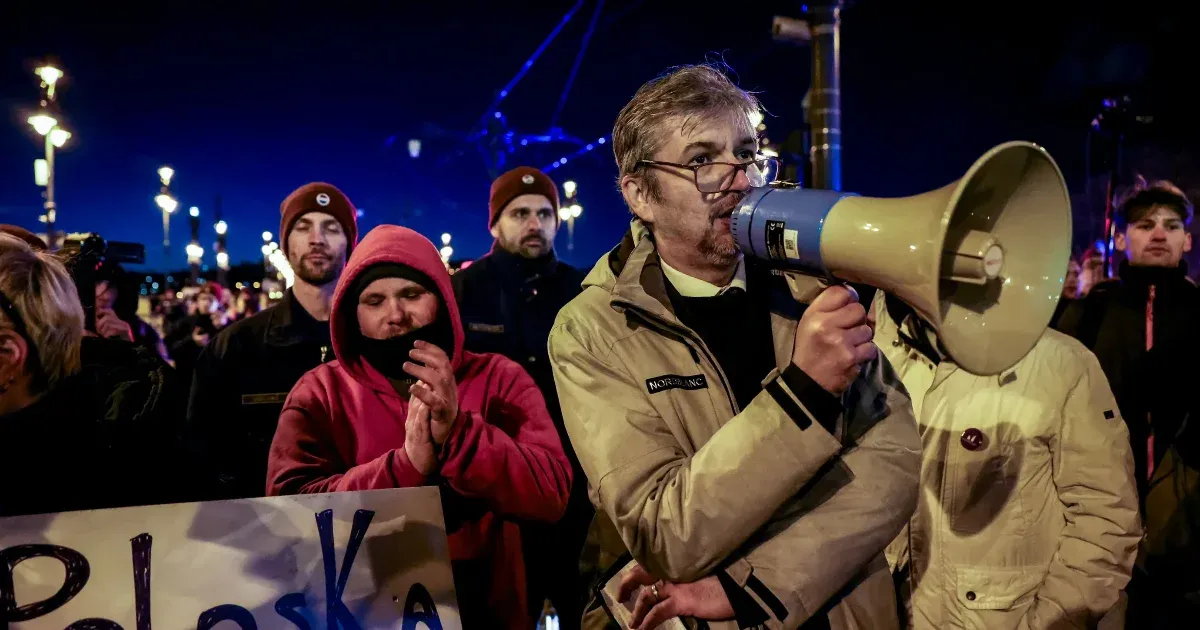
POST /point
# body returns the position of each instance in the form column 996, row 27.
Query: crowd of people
column 671, row 434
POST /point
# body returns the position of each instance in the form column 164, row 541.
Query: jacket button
column 970, row 596
column 972, row 439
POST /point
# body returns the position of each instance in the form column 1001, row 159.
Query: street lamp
column 50, row 76
column 167, row 203
column 195, row 251
column 569, row 211
column 266, row 251
column 446, row 250
column 56, row 137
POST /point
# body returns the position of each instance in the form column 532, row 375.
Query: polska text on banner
column 345, row 560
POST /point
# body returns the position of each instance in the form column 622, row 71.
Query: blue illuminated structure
column 495, row 140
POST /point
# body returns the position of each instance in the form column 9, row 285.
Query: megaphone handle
column 805, row 288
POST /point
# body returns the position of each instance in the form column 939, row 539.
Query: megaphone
column 982, row 259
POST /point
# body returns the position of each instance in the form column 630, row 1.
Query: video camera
column 90, row 259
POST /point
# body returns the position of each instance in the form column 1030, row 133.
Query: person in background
column 244, row 375
column 508, row 301
column 1142, row 325
column 116, row 312
column 1028, row 513
column 404, row 405
column 247, row 304
column 96, row 418
column 751, row 453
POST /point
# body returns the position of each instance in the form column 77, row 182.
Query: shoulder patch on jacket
column 264, row 399
column 674, row 381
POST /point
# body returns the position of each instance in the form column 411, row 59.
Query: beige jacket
column 694, row 485
column 1034, row 524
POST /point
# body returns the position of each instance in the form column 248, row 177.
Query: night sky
column 249, row 105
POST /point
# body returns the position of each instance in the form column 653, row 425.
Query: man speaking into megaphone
column 752, row 454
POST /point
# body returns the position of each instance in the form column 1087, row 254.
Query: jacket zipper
column 324, row 351
column 683, row 335
column 1149, row 345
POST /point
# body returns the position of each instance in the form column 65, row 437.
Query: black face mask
column 389, row 355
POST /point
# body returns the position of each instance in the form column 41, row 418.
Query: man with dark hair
column 754, row 455
column 509, row 300
column 245, row 373
column 1142, row 325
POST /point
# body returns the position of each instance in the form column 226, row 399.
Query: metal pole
column 825, row 152
column 49, row 206
column 166, row 230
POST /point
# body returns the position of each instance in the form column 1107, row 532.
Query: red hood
column 390, row 244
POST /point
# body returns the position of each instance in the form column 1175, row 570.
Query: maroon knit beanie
column 318, row 197
column 523, row 180
column 32, row 239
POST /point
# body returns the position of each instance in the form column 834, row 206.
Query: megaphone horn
column 982, row 259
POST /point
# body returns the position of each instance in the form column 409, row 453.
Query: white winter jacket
column 1028, row 513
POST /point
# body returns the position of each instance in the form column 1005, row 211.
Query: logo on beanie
column 528, row 179
column 322, row 199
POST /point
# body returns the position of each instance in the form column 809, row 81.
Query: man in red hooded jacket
column 404, row 405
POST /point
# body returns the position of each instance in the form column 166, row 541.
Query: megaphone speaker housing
column 982, row 259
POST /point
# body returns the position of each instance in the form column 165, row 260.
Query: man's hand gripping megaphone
column 834, row 336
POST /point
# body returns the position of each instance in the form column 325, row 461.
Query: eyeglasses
column 718, row 177
column 18, row 323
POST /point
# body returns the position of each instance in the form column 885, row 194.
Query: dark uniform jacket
column 508, row 305
column 240, row 383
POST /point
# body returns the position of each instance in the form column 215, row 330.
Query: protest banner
column 349, row 560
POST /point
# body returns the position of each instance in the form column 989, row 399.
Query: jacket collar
column 524, row 269
column 284, row 327
column 1164, row 279
column 632, row 274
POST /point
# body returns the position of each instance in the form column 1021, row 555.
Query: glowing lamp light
column 43, row 123
column 576, row 211
column 165, row 174
column 266, row 236
column 280, row 262
column 756, row 118
column 223, row 260
column 195, row 251
column 49, row 74
column 414, row 148
column 446, row 252
column 446, row 238
column 564, row 213
column 166, row 202
column 221, row 227
column 266, row 250
column 59, row 137
column 569, row 188
column 194, row 211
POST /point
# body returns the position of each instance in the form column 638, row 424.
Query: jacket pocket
column 997, row 589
